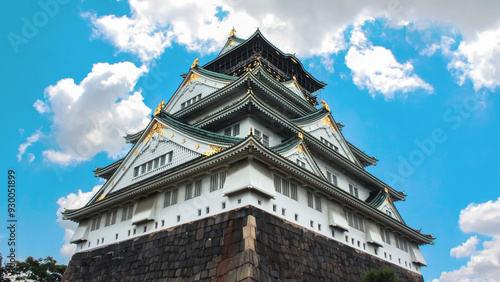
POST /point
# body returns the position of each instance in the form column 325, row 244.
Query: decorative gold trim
column 183, row 141
column 135, row 152
column 328, row 120
column 159, row 108
column 300, row 148
column 215, row 150
column 193, row 76
column 157, row 128
column 386, row 190
column 197, row 146
column 123, row 168
column 171, row 135
column 250, row 143
column 195, row 62
column 250, row 91
column 249, row 134
column 112, row 183
column 325, row 105
column 233, row 31
column 301, row 136
column 101, row 197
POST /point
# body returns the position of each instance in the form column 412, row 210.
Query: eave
column 355, row 169
column 249, row 146
column 107, row 171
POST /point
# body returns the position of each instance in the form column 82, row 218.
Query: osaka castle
column 243, row 175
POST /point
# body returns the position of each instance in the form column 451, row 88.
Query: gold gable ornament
column 233, row 31
column 195, row 62
column 159, row 108
column 157, row 128
column 215, row 150
column 325, row 105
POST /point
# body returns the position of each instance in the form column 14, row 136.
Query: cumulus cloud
column 484, row 264
column 41, row 107
column 375, row 68
column 72, row 201
column 29, row 141
column 92, row 116
column 479, row 59
column 466, row 249
column 304, row 28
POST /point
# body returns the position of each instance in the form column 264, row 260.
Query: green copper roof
column 132, row 138
column 195, row 131
column 214, row 74
column 107, row 171
column 287, row 145
column 376, row 198
column 312, row 117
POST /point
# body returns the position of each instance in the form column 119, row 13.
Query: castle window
column 317, row 201
column 96, row 223
column 386, row 236
column 262, row 136
column 354, row 191
column 153, row 164
column 110, row 218
column 217, row 181
column 232, row 131
column 332, row 178
column 310, row 199
column 329, row 144
column 285, row 187
column 189, row 191
column 301, row 163
column 355, row 220
column 170, row 198
column 314, row 201
column 401, row 243
column 127, row 212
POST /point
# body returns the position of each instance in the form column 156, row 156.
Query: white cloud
column 41, row 107
column 29, row 141
column 479, row 59
column 466, row 249
column 481, row 218
column 72, row 201
column 31, row 158
column 375, row 68
column 484, row 264
column 308, row 28
column 92, row 116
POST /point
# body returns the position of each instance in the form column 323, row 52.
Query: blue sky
column 415, row 84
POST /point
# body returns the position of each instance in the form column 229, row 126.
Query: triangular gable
column 389, row 208
column 232, row 42
column 197, row 84
column 321, row 125
column 166, row 141
column 297, row 152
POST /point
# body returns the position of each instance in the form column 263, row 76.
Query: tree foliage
column 379, row 275
column 45, row 270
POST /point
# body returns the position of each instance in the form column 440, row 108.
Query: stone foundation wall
column 241, row 245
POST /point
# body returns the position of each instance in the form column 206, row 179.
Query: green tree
column 45, row 270
column 379, row 275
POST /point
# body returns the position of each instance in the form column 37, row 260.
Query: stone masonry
column 240, row 245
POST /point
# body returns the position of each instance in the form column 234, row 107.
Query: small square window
column 156, row 224
column 274, row 208
column 129, row 233
column 134, row 231
column 145, row 229
column 319, row 227
column 116, row 236
column 312, row 223
column 207, row 209
column 296, row 217
column 239, row 201
column 223, row 205
column 283, row 212
column 178, row 218
column 162, row 223
column 199, row 212
column 259, row 202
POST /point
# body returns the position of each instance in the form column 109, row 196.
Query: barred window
column 227, row 131
column 265, row 140
column 301, row 163
column 236, row 129
column 386, row 236
column 332, row 178
column 354, row 191
column 310, row 199
column 317, row 201
column 153, row 164
column 170, row 198
column 217, row 181
column 127, row 212
column 197, row 188
column 285, row 187
column 189, row 191
column 110, row 218
column 355, row 220
column 401, row 243
column 96, row 223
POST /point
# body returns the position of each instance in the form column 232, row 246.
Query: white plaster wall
column 248, row 122
column 166, row 217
